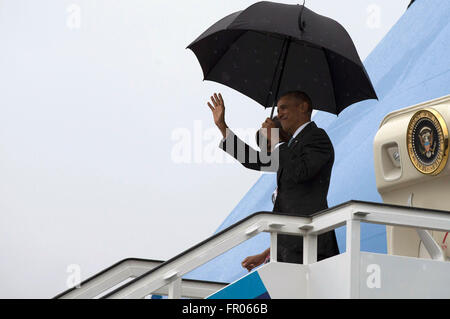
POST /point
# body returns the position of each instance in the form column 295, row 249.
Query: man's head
column 294, row 109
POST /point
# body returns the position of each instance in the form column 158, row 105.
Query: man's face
column 290, row 114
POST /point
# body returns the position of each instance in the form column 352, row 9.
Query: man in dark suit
column 303, row 167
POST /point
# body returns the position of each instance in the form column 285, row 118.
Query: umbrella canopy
column 271, row 48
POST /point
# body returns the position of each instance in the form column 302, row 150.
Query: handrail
column 127, row 268
column 352, row 211
column 109, row 277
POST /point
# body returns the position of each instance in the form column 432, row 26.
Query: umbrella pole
column 273, row 109
column 283, row 63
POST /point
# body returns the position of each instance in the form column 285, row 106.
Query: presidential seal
column 427, row 141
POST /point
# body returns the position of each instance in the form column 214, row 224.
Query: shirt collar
column 295, row 134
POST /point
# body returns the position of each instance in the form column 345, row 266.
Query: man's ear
column 304, row 107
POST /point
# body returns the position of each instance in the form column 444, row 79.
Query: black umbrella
column 271, row 48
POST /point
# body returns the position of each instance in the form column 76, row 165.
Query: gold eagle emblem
column 427, row 141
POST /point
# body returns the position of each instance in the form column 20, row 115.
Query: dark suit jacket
column 303, row 177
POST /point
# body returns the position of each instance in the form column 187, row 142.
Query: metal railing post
column 309, row 249
column 273, row 246
column 175, row 289
column 353, row 245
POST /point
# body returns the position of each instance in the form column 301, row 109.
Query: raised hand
column 218, row 111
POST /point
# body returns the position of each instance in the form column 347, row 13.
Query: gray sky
column 107, row 147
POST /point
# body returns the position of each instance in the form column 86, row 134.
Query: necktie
column 290, row 141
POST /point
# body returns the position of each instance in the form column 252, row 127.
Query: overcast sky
column 107, row 147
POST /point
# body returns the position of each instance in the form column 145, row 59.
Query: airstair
column 352, row 274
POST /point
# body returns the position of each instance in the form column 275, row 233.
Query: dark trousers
column 290, row 248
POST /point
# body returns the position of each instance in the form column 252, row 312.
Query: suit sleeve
column 247, row 156
column 306, row 162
